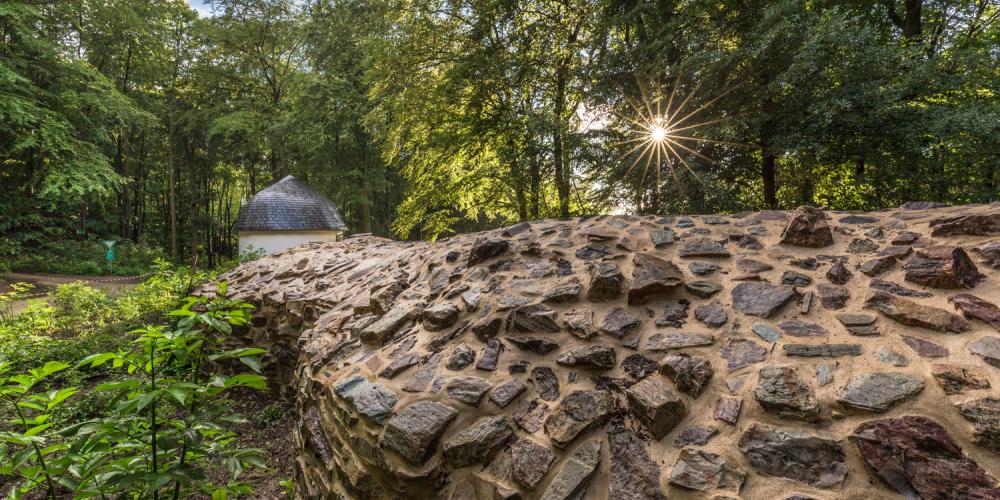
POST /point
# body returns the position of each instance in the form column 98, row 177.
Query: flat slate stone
column 727, row 409
column 766, row 332
column 675, row 313
column 911, row 313
column 696, row 435
column 832, row 297
column 739, row 353
column 987, row 348
column 606, row 282
column 711, row 314
column 702, row 471
column 973, row 307
column 504, row 394
column 794, row 455
column 529, row 462
column 666, row 341
column 597, row 357
column 489, row 357
column 861, row 245
column 924, row 348
column 877, row 266
column 942, row 267
column 580, row 323
column 896, row 288
column 703, row 268
column 858, row 219
column 535, row 318
column 577, row 412
column 839, row 273
column 477, row 442
column 890, row 357
column 373, row 400
column 753, row 266
column 761, row 299
column 572, row 478
column 662, row 237
column 530, row 414
column 878, row 392
column 795, row 278
column 413, row 432
column 702, row 289
column 703, row 247
column 822, row 350
column 619, row 322
column 638, row 366
column 799, row 328
column 483, row 250
column 633, row 474
column 467, row 389
column 537, row 345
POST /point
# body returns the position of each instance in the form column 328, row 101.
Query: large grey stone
column 571, row 480
column 373, row 400
column 761, row 299
column 783, row 393
column 414, row 431
column 878, row 392
column 477, row 442
column 576, row 413
column 794, row 455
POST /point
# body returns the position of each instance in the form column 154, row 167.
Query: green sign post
column 110, row 254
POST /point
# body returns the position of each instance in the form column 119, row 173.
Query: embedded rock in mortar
column 652, row 276
column 761, row 299
column 911, row 313
column 916, row 456
column 794, row 455
column 490, row 365
column 942, row 267
column 807, row 228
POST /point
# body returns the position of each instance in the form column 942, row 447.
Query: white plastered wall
column 276, row 241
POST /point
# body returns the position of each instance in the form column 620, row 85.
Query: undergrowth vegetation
column 77, row 257
column 127, row 395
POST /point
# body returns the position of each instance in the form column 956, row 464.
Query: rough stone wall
column 759, row 355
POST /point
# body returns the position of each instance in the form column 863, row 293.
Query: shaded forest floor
column 270, row 427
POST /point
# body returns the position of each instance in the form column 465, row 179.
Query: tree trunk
column 562, row 176
column 767, row 175
column 534, row 179
column 172, row 184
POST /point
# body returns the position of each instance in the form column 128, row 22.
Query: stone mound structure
column 766, row 355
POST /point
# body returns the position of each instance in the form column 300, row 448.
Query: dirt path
column 46, row 283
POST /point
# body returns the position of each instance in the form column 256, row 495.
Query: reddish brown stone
column 807, row 228
column 916, row 456
column 652, row 276
column 975, row 307
column 942, row 267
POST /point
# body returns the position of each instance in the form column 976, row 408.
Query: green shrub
column 165, row 418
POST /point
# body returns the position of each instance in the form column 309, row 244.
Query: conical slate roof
column 289, row 205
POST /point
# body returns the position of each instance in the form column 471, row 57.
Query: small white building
column 287, row 214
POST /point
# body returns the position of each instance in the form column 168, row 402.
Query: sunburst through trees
column 661, row 133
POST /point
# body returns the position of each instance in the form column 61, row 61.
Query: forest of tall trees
column 141, row 120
